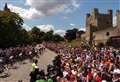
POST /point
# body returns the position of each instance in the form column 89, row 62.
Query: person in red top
column 98, row 77
column 89, row 75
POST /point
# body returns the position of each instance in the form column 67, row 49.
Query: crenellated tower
column 118, row 19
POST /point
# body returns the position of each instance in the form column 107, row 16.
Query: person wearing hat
column 98, row 77
column 116, row 75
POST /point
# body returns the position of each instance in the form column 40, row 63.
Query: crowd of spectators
column 9, row 56
column 76, row 64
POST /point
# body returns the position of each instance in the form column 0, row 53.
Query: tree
column 48, row 36
column 71, row 34
column 26, row 38
column 10, row 25
column 35, row 33
column 57, row 38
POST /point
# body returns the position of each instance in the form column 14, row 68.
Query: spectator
column 98, row 77
column 34, row 65
column 33, row 75
column 116, row 75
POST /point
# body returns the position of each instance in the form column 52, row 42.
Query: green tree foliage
column 57, row 38
column 35, row 33
column 48, row 36
column 10, row 26
column 12, row 33
column 26, row 37
column 71, row 34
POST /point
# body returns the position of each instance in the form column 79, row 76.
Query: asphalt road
column 22, row 71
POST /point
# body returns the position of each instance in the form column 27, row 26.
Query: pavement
column 22, row 71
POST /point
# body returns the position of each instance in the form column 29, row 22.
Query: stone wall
column 118, row 19
column 99, row 21
column 101, row 24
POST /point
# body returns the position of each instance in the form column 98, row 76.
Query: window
column 107, row 33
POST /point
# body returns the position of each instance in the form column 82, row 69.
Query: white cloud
column 114, row 20
column 60, row 32
column 40, row 8
column 25, row 26
column 45, row 28
column 25, row 13
column 72, row 24
column 84, row 29
column 75, row 3
column 49, row 27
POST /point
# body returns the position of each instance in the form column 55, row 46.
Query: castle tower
column 110, row 14
column 88, row 16
column 95, row 12
column 91, row 19
column 118, row 19
column 6, row 7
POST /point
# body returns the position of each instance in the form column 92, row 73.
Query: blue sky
column 60, row 15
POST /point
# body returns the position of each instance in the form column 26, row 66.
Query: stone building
column 99, row 26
